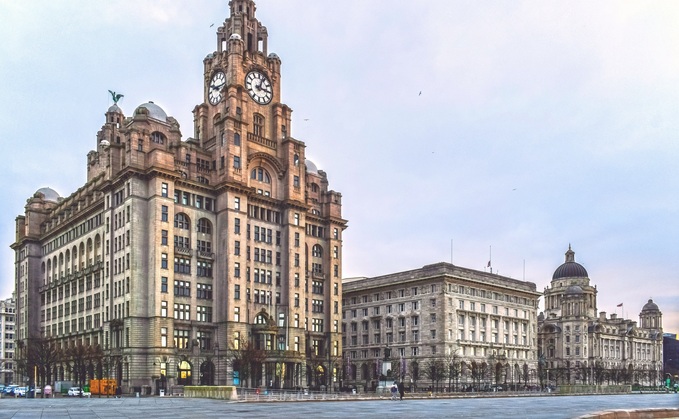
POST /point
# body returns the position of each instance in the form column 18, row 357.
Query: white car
column 74, row 391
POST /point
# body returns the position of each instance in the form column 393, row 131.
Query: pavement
column 550, row 407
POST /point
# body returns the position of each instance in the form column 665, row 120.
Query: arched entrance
column 207, row 373
column 184, row 373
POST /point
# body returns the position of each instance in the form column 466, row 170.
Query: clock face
column 259, row 87
column 214, row 93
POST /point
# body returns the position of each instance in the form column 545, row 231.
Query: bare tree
column 453, row 360
column 81, row 359
column 414, row 373
column 44, row 354
column 435, row 369
column 246, row 360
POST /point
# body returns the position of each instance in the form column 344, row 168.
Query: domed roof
column 570, row 269
column 273, row 55
column 235, row 36
column 115, row 108
column 49, row 194
column 310, row 167
column 574, row 289
column 152, row 110
column 650, row 306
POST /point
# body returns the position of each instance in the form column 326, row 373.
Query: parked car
column 9, row 390
column 75, row 391
column 20, row 391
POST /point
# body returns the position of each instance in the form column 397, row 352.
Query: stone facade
column 177, row 257
column 7, row 325
column 578, row 346
column 481, row 326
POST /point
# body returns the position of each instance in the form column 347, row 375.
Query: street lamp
column 216, row 349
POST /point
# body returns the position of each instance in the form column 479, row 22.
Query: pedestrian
column 401, row 389
column 394, row 391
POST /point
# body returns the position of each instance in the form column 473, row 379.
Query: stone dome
column 574, row 290
column 310, row 167
column 570, row 268
column 650, row 306
column 115, row 108
column 48, row 194
column 152, row 110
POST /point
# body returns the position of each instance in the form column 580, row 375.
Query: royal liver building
column 214, row 259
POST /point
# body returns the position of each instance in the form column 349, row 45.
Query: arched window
column 261, row 319
column 317, row 251
column 258, row 125
column 314, row 187
column 157, row 137
column 204, row 226
column 182, row 221
column 260, row 174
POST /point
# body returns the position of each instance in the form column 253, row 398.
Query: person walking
column 401, row 389
column 394, row 391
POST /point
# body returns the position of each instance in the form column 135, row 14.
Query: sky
column 461, row 131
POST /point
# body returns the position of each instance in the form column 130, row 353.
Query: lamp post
column 216, row 349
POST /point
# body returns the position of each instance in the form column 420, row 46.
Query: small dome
column 114, row 108
column 274, row 56
column 209, row 56
column 650, row 306
column 152, row 110
column 310, row 167
column 235, row 36
column 574, row 290
column 48, row 194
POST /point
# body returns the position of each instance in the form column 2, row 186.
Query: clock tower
column 241, row 98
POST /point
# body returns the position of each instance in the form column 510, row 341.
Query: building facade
column 441, row 327
column 210, row 260
column 579, row 346
column 7, row 324
column 670, row 358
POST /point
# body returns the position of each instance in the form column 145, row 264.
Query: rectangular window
column 204, row 292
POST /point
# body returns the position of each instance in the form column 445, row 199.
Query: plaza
column 551, row 407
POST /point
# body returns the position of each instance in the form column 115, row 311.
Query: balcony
column 183, row 250
column 206, row 255
column 261, row 140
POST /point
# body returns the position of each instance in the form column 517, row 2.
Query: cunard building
column 580, row 346
column 214, row 259
column 440, row 326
